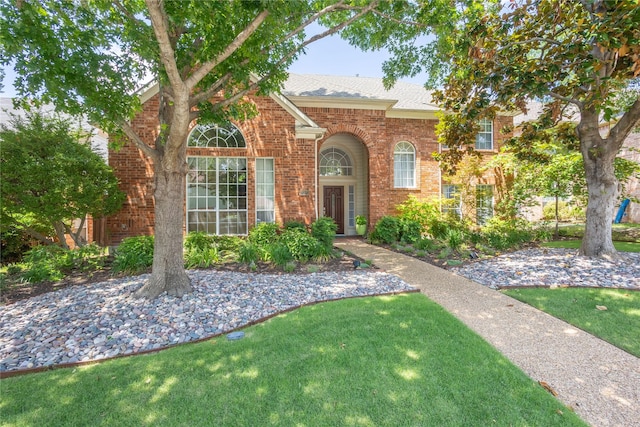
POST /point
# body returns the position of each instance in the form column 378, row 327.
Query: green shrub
column 566, row 211
column 263, row 234
column 475, row 237
column 387, row 230
column 438, row 228
column 279, row 254
column 201, row 250
column 51, row 263
column 425, row 244
column 14, row 243
column 543, row 233
column 295, row 224
column 301, row 244
column 289, row 266
column 421, row 211
column 324, row 254
column 227, row 243
column 410, row 230
column 46, row 263
column 324, row 230
column 89, row 257
column 14, row 269
column 43, row 253
column 197, row 240
column 203, row 258
column 42, row 272
column 454, row 239
column 249, row 252
column 503, row 235
column 445, row 253
column 134, row 255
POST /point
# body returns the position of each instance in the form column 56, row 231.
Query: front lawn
column 380, row 361
column 627, row 232
column 584, row 308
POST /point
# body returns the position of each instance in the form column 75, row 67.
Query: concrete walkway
column 600, row 382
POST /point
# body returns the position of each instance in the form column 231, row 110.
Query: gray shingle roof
column 409, row 96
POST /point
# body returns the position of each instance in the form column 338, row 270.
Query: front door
column 334, row 205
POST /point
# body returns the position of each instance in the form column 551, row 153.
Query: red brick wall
column 135, row 172
column 272, row 134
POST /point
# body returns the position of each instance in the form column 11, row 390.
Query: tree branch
column 202, row 71
column 567, row 99
column 213, row 89
column 328, row 32
column 626, row 123
column 38, row 236
column 531, row 40
column 161, row 30
column 396, row 20
column 133, row 136
column 128, row 14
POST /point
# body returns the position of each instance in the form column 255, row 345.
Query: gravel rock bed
column 553, row 267
column 102, row 320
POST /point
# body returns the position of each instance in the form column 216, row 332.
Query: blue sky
column 330, row 56
column 335, row 57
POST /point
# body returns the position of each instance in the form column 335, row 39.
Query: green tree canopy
column 51, row 176
column 574, row 56
column 90, row 56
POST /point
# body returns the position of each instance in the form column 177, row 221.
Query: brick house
column 324, row 146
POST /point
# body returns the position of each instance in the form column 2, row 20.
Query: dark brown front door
column 334, row 205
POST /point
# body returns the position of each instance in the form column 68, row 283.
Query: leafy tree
column 50, row 176
column 574, row 56
column 547, row 162
column 90, row 56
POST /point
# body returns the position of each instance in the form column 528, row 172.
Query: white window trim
column 217, row 209
column 403, row 179
column 484, row 123
column 273, row 185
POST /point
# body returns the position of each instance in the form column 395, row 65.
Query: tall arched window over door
column 404, row 165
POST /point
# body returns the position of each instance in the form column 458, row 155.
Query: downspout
column 439, row 179
column 315, row 168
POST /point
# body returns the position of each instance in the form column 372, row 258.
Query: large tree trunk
column 170, row 169
column 602, row 186
column 168, row 273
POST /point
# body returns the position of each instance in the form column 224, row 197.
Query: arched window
column 335, row 162
column 216, row 136
column 404, row 165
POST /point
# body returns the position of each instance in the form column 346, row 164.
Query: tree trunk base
column 612, row 256
column 174, row 284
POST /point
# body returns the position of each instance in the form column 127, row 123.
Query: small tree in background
column 51, row 177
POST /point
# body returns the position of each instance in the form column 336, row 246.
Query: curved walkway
column 600, row 382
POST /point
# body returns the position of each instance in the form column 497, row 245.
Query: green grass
column 619, row 324
column 575, row 244
column 627, row 232
column 380, row 361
